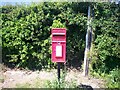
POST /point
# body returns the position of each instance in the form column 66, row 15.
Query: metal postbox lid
column 59, row 34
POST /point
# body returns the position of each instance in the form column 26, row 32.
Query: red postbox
column 58, row 45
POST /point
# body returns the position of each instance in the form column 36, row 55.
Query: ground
column 14, row 78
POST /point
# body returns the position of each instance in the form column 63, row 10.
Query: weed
column 113, row 79
column 1, row 79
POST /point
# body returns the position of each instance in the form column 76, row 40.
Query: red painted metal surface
column 58, row 45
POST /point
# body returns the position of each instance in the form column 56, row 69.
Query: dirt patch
column 14, row 77
column 82, row 80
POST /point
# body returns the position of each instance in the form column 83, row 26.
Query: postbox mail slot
column 58, row 41
column 58, row 34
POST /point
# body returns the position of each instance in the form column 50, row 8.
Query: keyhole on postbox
column 58, row 50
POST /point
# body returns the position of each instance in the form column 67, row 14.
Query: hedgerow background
column 26, row 30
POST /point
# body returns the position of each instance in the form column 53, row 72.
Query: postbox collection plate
column 58, row 45
column 58, row 50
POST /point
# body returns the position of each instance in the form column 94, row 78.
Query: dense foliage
column 107, row 37
column 26, row 30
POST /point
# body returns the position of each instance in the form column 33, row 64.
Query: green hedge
column 26, row 33
column 107, row 37
column 26, row 40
